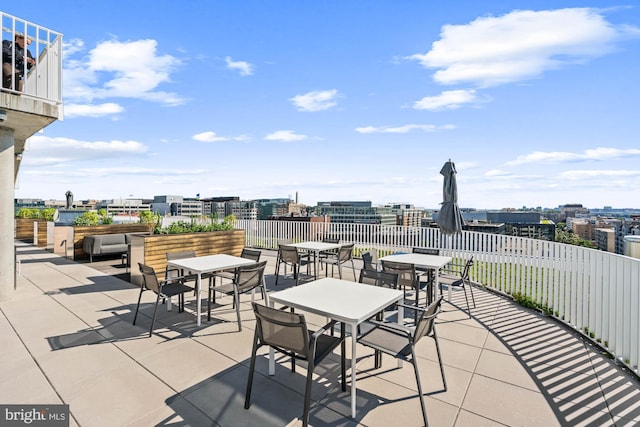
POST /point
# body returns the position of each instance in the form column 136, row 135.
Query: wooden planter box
column 152, row 250
column 79, row 231
column 24, row 230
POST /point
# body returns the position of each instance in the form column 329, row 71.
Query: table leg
column 272, row 352
column 198, row 301
column 354, row 341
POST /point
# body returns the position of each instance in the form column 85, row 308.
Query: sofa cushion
column 110, row 239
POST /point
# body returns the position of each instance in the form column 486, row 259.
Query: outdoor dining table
column 434, row 262
column 207, row 264
column 340, row 300
column 316, row 248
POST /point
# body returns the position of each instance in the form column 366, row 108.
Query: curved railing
column 596, row 293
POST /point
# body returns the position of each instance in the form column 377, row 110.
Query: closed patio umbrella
column 450, row 218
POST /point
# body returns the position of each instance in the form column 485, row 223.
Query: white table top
column 337, row 299
column 316, row 246
column 209, row 263
column 423, row 260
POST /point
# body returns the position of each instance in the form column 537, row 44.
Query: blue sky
column 536, row 102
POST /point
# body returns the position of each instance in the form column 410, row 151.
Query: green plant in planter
column 48, row 213
column 105, row 218
column 181, row 227
column 29, row 213
column 88, row 218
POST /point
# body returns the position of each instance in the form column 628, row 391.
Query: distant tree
column 569, row 238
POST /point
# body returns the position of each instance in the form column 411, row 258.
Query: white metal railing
column 594, row 292
column 43, row 80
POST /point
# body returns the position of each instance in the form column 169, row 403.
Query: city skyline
column 535, row 102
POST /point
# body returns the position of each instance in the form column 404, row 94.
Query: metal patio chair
column 287, row 332
column 460, row 280
column 246, row 279
column 400, row 341
column 344, row 254
column 162, row 288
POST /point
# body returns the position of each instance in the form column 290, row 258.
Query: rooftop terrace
column 68, row 338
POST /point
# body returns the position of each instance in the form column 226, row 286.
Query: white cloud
column 315, row 100
column 519, row 45
column 44, row 150
column 497, row 173
column 285, row 135
column 447, row 100
column 113, row 69
column 72, row 46
column 88, row 110
column 577, row 175
column 403, row 129
column 243, row 67
column 601, row 153
column 210, row 136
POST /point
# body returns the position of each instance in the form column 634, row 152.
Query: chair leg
column 236, row 299
column 278, row 270
column 414, row 362
column 252, row 366
column 307, row 395
column 353, row 267
column 209, row 304
column 471, row 290
column 153, row 319
column 435, row 338
column 135, row 316
column 464, row 288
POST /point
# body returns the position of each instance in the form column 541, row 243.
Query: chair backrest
column 149, row 278
column 329, row 240
column 282, row 329
column 180, row 255
column 367, row 260
column 346, row 252
column 378, row 278
column 426, row 320
column 288, row 254
column 284, row 242
column 406, row 273
column 252, row 254
column 426, row 251
column 248, row 277
column 465, row 271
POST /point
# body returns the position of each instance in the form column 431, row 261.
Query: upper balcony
column 31, row 96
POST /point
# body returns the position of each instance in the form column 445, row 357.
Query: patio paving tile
column 68, row 331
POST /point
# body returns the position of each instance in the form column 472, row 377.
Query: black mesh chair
column 163, row 289
column 246, row 278
column 170, row 271
column 289, row 255
column 329, row 253
column 460, row 280
column 427, row 273
column 378, row 278
column 287, row 332
column 370, row 259
column 247, row 253
column 344, row 254
column 400, row 342
column 407, row 278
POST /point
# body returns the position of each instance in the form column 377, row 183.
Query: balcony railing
column 596, row 293
column 44, row 79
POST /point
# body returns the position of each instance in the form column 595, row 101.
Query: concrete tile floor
column 67, row 337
